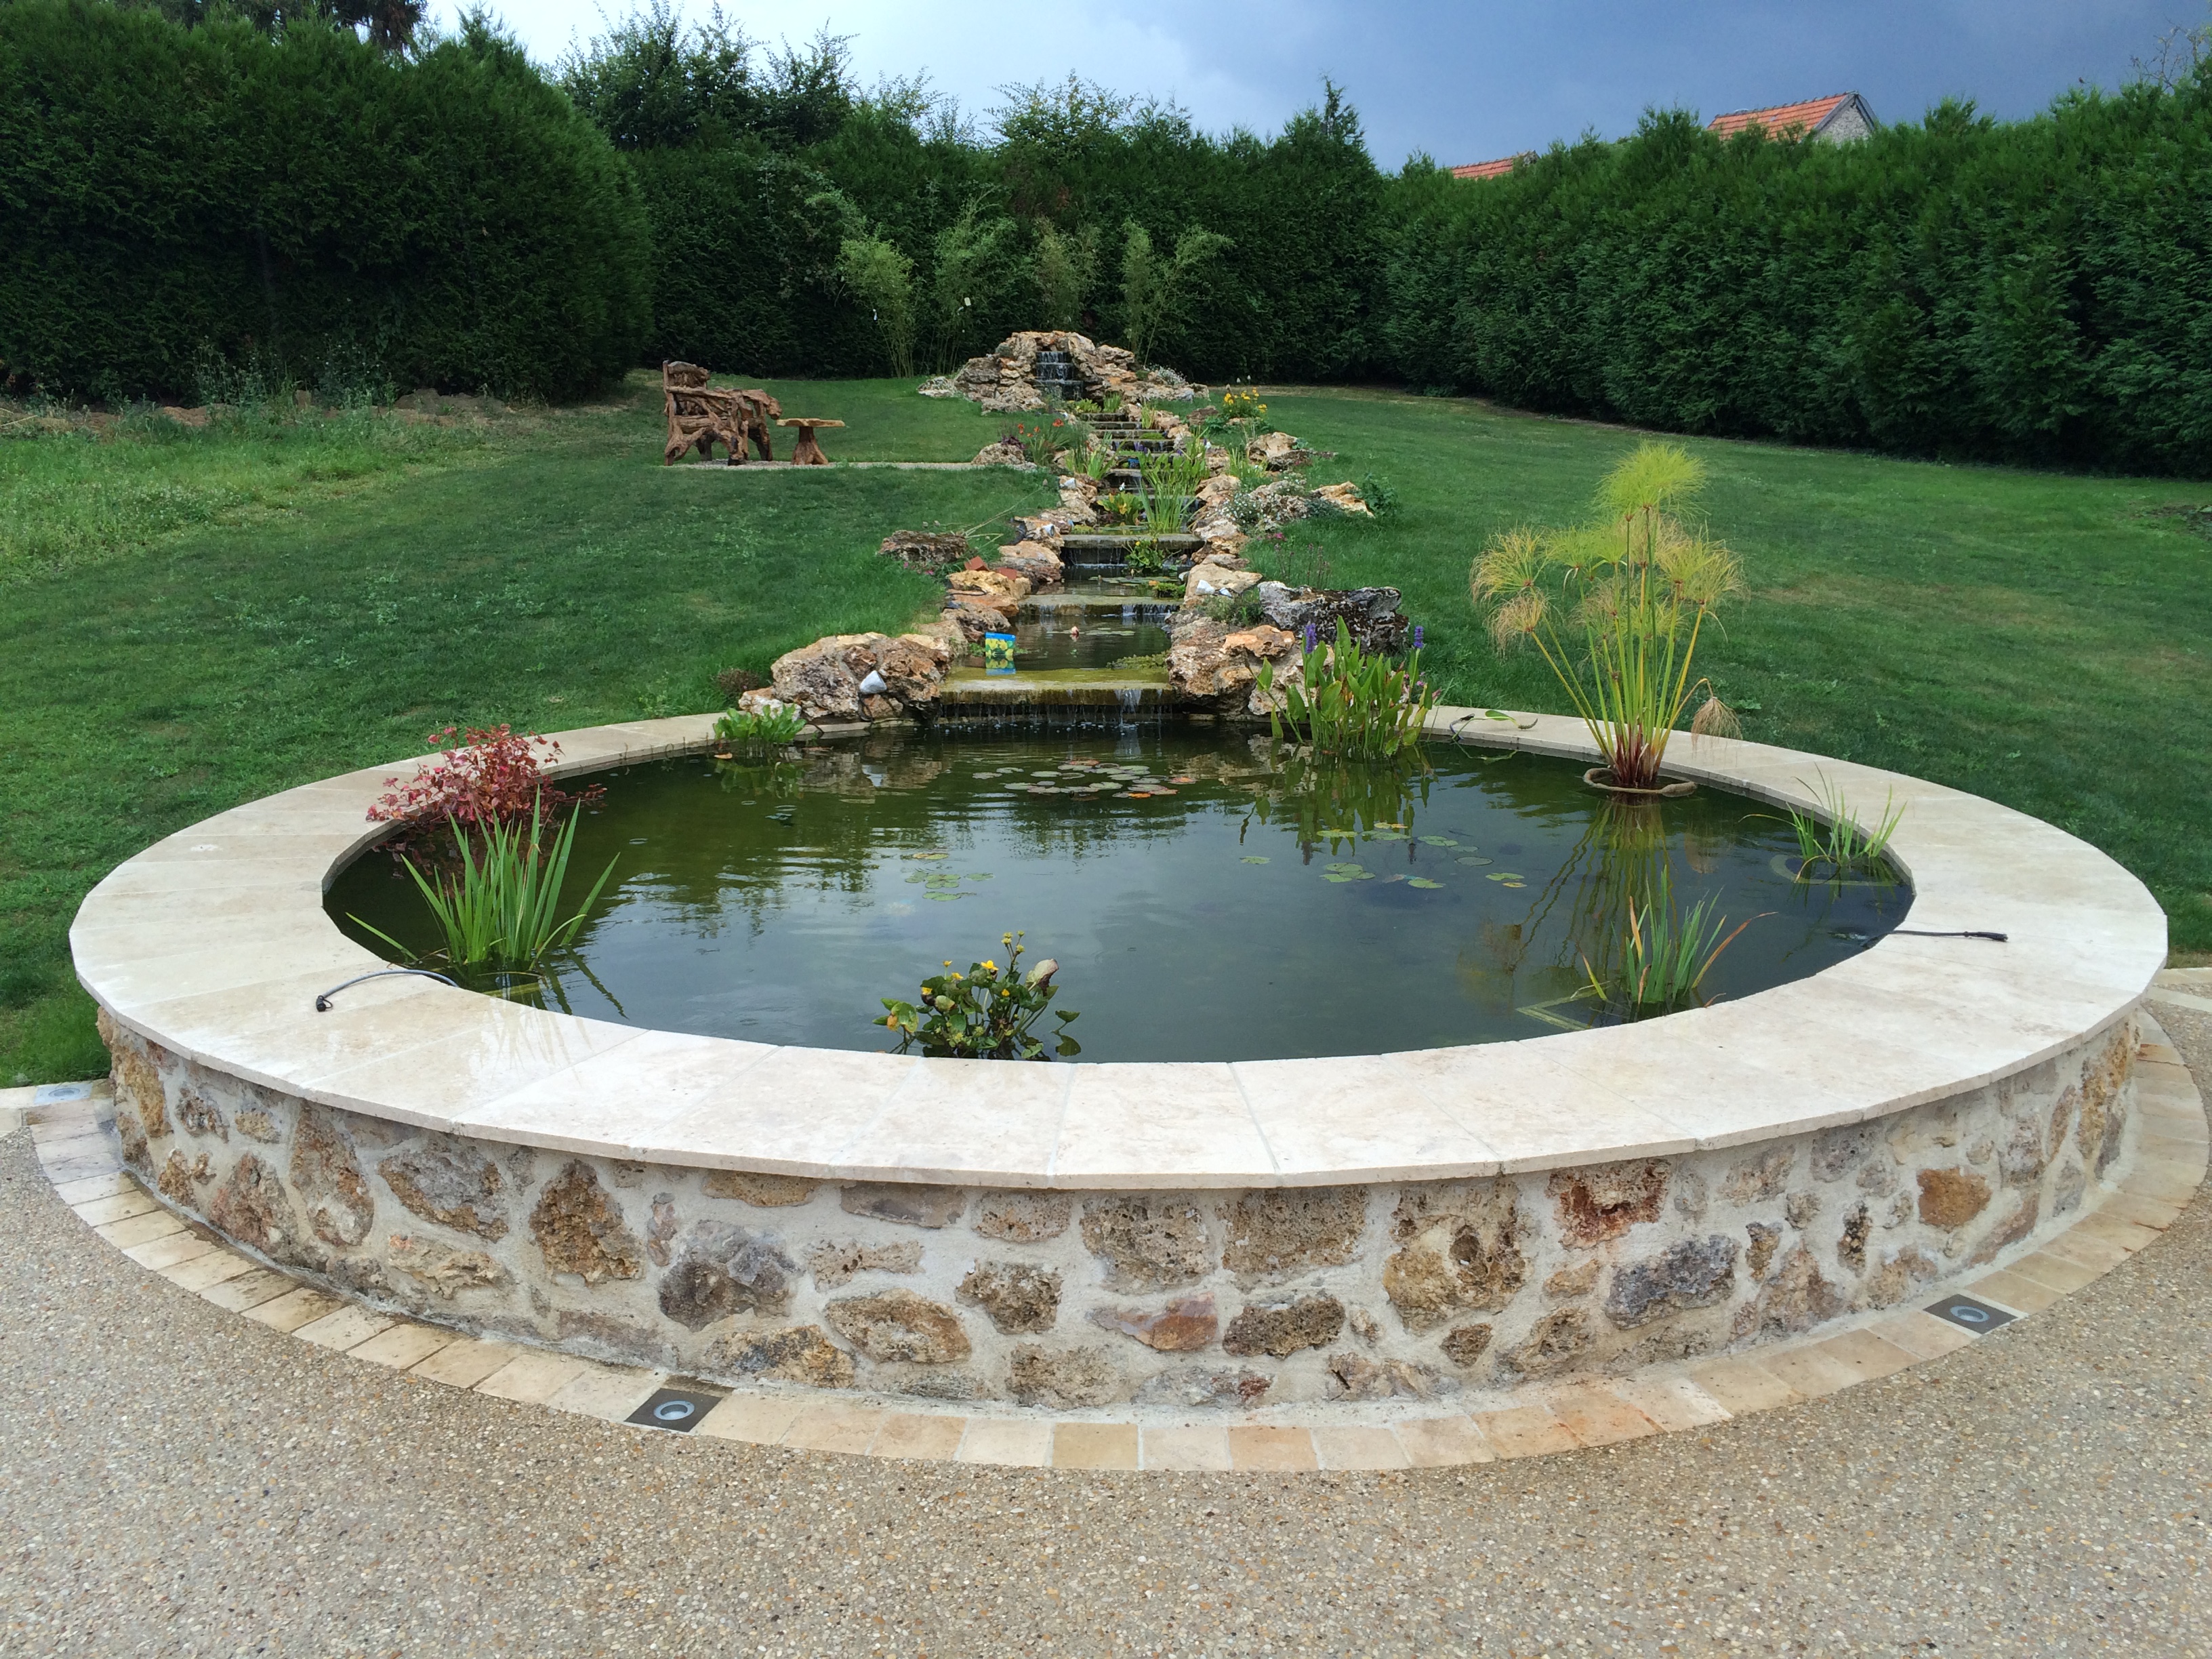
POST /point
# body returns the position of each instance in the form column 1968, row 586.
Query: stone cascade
column 1058, row 378
column 1013, row 377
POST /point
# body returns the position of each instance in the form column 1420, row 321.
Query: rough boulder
column 853, row 676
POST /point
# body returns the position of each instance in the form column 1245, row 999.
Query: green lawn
column 192, row 619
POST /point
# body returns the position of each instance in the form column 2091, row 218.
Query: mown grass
column 544, row 570
column 2038, row 639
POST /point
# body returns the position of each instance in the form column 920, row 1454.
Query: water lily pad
column 950, row 896
column 1339, row 878
column 1345, row 869
column 929, row 855
column 1180, row 780
column 1471, row 859
column 1517, row 884
column 979, row 875
column 1423, row 882
column 1252, row 858
column 1438, row 841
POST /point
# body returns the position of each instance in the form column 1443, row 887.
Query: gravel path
column 174, row 1479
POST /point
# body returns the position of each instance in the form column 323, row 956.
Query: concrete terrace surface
column 175, row 1479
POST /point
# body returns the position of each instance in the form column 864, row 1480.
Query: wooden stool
column 808, row 453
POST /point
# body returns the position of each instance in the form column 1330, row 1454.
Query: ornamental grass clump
column 1833, row 838
column 1354, row 704
column 1169, row 482
column 499, row 912
column 1635, row 590
column 986, row 1013
column 1664, row 957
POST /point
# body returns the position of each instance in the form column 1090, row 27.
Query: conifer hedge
column 2037, row 291
column 308, row 208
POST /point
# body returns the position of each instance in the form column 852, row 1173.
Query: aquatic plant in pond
column 1835, row 839
column 499, row 912
column 1642, row 586
column 752, row 732
column 1171, row 480
column 986, row 1013
column 1358, row 705
column 1665, row 956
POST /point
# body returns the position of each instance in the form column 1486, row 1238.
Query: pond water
column 1207, row 897
column 1094, row 633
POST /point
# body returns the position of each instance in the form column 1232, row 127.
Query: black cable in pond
column 1959, row 932
column 323, row 1002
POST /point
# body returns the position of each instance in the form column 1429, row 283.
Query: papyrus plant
column 1617, row 607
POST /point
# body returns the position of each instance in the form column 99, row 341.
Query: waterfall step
column 1120, row 541
column 975, row 689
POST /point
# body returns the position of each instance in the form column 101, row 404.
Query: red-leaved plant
column 496, row 776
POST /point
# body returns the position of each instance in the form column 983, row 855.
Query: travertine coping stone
column 213, row 942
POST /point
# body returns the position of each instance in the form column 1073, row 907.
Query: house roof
column 1490, row 169
column 1809, row 116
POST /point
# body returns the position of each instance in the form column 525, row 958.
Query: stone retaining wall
column 1179, row 1299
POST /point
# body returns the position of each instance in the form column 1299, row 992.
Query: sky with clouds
column 1468, row 80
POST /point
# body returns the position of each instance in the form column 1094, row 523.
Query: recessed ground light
column 1969, row 1314
column 677, row 1409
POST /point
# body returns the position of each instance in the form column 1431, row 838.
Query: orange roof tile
column 1780, row 118
column 1490, row 169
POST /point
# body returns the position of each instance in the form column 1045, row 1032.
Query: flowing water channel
column 1207, row 897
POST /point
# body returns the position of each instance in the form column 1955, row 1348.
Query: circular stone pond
column 1351, row 1158
column 1206, row 899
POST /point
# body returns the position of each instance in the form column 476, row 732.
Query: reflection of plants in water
column 1623, row 943
column 774, row 778
column 986, row 1013
column 1330, row 799
column 1664, row 955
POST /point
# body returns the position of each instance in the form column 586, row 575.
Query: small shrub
column 1643, row 585
column 1236, row 610
column 1841, row 842
column 1377, row 492
column 1664, row 958
column 496, row 778
column 1041, row 440
column 734, row 682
